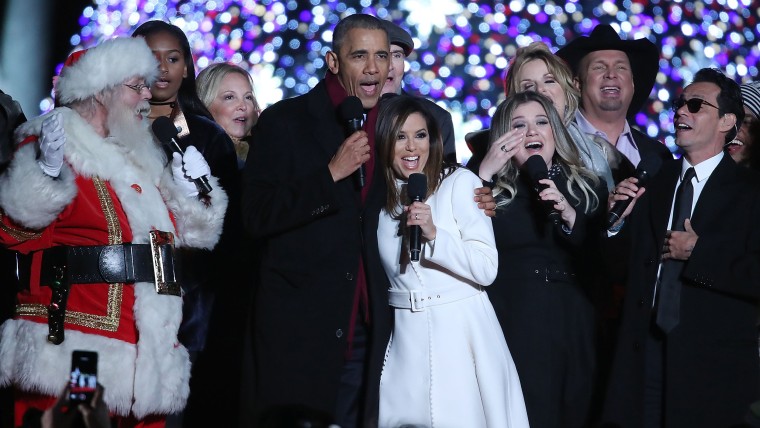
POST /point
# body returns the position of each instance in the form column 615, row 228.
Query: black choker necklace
column 171, row 104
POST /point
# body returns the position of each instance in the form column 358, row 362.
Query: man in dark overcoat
column 303, row 203
column 687, row 354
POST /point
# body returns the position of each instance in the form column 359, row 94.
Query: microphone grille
column 164, row 129
column 535, row 166
column 416, row 187
column 351, row 108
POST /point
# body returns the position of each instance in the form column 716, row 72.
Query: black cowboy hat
column 642, row 53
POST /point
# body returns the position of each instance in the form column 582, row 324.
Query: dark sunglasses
column 694, row 104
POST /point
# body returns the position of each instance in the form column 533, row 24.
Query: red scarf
column 337, row 94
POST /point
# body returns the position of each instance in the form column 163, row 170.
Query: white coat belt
column 418, row 300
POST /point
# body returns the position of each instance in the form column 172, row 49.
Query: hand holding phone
column 84, row 377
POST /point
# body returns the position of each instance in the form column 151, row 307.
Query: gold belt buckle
column 166, row 282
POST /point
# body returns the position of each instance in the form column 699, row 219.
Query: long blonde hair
column 565, row 153
column 556, row 66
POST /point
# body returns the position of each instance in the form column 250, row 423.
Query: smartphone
column 84, row 376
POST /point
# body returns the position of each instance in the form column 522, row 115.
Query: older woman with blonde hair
column 227, row 91
column 536, row 68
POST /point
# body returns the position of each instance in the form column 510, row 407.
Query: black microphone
column 536, row 169
column 166, row 132
column 352, row 113
column 647, row 168
column 416, row 189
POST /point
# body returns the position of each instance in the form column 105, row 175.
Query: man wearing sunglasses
column 687, row 353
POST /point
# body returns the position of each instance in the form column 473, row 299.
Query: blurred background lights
column 462, row 48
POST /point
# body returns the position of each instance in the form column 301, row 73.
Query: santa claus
column 91, row 205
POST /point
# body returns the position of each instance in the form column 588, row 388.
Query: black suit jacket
column 309, row 230
column 649, row 146
column 711, row 357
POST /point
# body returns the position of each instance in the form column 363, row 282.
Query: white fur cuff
column 31, row 198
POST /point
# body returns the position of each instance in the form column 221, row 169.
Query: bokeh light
column 462, row 47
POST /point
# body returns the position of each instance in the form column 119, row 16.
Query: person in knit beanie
column 739, row 147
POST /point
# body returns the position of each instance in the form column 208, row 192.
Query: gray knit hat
column 751, row 97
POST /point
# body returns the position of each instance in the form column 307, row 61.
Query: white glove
column 189, row 167
column 52, row 140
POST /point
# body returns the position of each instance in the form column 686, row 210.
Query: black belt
column 128, row 263
column 545, row 273
column 124, row 263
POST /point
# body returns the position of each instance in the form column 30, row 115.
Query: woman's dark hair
column 187, row 95
column 394, row 111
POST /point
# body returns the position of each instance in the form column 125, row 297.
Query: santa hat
column 88, row 72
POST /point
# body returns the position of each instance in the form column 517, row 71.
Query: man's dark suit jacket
column 648, row 148
column 711, row 357
column 309, row 230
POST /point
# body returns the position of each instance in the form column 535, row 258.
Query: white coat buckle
column 417, row 301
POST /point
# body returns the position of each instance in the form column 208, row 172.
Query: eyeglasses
column 694, row 104
column 138, row 87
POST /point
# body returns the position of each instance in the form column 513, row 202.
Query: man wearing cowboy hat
column 402, row 46
column 615, row 78
column 93, row 209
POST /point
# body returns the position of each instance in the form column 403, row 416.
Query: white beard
column 134, row 138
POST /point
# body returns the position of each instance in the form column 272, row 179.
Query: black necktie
column 669, row 307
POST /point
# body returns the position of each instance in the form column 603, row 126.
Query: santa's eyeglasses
column 693, row 105
column 138, row 87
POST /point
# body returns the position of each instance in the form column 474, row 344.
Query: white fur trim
column 28, row 361
column 108, row 64
column 199, row 226
column 29, row 196
column 162, row 376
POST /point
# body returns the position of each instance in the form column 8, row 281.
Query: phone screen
column 84, row 376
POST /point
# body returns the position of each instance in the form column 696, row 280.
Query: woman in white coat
column 447, row 363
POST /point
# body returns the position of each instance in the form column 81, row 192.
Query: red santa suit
column 107, row 193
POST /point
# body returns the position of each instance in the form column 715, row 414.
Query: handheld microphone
column 416, row 189
column 647, row 168
column 352, row 113
column 536, row 169
column 165, row 131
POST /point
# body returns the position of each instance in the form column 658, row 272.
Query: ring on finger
column 416, row 217
column 504, row 148
column 561, row 199
column 614, row 191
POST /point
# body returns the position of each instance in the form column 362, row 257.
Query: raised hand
column 52, row 140
column 499, row 152
column 189, row 167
